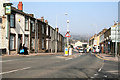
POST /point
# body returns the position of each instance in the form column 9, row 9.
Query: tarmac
column 102, row 56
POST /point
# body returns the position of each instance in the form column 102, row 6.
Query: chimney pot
column 42, row 19
column 20, row 6
column 46, row 21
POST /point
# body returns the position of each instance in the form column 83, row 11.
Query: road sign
column 115, row 33
column 66, row 51
column 67, row 34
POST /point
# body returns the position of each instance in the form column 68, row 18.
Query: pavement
column 35, row 54
column 107, row 57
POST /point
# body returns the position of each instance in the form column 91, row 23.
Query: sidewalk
column 107, row 57
column 36, row 54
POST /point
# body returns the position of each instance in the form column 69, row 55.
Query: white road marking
column 95, row 74
column 91, row 77
column 6, row 60
column 14, row 70
column 101, row 67
column 68, row 58
column 105, row 76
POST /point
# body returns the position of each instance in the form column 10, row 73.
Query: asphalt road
column 84, row 65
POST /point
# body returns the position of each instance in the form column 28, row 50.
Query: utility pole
column 56, row 36
column 116, row 38
column 35, row 36
column 67, row 31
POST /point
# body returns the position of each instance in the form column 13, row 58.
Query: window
column 26, row 23
column 0, row 20
column 32, row 24
column 42, row 43
column 12, row 20
column 27, row 41
column 47, row 30
column 32, row 43
column 12, row 42
column 42, row 29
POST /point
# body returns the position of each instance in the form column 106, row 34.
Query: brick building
column 21, row 27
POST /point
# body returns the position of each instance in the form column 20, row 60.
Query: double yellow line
column 102, row 58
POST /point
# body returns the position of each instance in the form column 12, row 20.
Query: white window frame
column 12, row 42
column 26, row 23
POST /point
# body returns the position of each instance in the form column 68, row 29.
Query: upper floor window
column 42, row 29
column 32, row 25
column 0, row 20
column 12, row 20
column 47, row 30
column 26, row 23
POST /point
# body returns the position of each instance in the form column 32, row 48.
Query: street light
column 67, row 29
column 56, row 36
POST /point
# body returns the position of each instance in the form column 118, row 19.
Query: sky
column 86, row 18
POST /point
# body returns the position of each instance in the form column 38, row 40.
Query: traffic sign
column 67, row 34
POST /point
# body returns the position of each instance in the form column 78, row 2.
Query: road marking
column 14, row 70
column 68, row 58
column 91, row 77
column 6, row 60
column 105, row 76
column 101, row 67
column 95, row 74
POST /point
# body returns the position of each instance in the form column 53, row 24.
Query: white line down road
column 15, row 70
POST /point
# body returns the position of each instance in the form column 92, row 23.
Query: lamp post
column 56, row 36
column 116, row 39
column 67, row 31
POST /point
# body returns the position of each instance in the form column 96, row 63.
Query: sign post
column 66, row 49
column 115, row 33
column 7, row 7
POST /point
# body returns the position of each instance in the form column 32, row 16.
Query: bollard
column 66, row 51
column 70, row 51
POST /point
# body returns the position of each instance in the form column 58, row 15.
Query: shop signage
column 7, row 8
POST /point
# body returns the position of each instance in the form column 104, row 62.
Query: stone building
column 23, row 28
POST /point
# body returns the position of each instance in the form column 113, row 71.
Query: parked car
column 80, row 49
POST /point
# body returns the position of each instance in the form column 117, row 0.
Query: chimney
column 32, row 15
column 42, row 19
column 46, row 21
column 20, row 6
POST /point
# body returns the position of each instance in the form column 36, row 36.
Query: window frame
column 27, row 23
column 14, row 20
column 1, row 20
column 43, row 29
column 33, row 25
column 43, row 44
column 14, row 42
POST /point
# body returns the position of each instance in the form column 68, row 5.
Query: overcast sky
column 85, row 17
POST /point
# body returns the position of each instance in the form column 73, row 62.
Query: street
column 84, row 65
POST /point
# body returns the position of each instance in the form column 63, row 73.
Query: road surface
column 84, row 65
